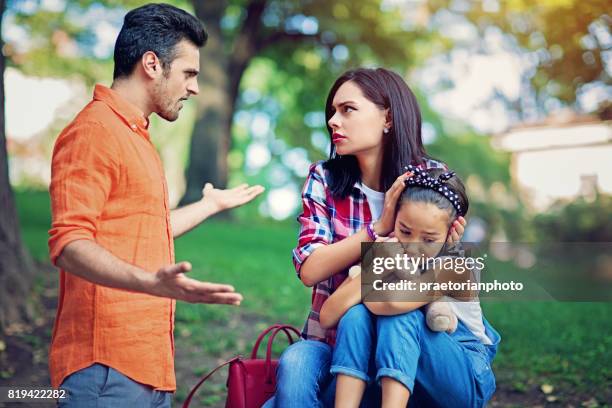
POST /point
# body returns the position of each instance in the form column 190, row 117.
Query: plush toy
column 438, row 314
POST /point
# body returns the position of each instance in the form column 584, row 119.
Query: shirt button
column 134, row 127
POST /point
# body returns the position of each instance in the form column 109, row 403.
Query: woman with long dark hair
column 374, row 122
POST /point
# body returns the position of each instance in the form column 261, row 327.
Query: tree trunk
column 210, row 141
column 219, row 86
column 16, row 268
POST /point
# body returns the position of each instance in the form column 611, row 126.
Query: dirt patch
column 192, row 362
column 534, row 397
column 23, row 362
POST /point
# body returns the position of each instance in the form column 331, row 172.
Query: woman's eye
column 404, row 232
column 346, row 109
column 429, row 240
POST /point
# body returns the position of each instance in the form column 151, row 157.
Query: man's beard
column 169, row 113
column 164, row 107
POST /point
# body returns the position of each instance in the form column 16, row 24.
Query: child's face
column 422, row 225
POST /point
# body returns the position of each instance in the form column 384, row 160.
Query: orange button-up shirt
column 108, row 186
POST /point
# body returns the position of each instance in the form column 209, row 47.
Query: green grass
column 563, row 344
column 34, row 210
column 255, row 258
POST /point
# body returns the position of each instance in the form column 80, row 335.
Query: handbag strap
column 287, row 329
column 206, row 377
column 260, row 339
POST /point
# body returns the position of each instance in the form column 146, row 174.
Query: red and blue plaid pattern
column 325, row 220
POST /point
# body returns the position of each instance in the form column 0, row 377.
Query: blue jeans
column 99, row 386
column 303, row 378
column 439, row 369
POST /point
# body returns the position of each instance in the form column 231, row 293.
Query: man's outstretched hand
column 219, row 200
column 171, row 281
column 213, row 201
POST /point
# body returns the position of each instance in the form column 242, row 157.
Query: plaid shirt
column 325, row 220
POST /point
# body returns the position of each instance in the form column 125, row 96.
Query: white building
column 560, row 158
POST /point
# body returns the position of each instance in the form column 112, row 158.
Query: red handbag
column 250, row 382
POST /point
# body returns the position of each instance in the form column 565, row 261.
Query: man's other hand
column 171, row 281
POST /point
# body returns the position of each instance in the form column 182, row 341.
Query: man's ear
column 151, row 64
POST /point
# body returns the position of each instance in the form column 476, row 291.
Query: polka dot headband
column 420, row 178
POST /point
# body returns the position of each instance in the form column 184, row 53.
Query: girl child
column 374, row 123
column 389, row 342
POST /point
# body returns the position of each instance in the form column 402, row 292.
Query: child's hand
column 354, row 271
column 456, row 230
column 386, row 239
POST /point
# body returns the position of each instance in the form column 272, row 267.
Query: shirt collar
column 133, row 116
column 423, row 166
column 367, row 190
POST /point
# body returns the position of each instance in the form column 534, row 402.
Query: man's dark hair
column 157, row 28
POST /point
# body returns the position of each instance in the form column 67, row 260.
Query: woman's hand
column 385, row 225
column 456, row 230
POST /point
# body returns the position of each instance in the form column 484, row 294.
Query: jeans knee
column 302, row 368
column 415, row 318
column 292, row 356
column 304, row 356
column 357, row 317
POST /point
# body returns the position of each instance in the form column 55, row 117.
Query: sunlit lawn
column 566, row 345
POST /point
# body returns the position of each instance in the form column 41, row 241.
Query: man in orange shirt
column 112, row 230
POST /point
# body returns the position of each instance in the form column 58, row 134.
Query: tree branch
column 283, row 36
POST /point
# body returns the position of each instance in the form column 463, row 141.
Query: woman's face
column 423, row 226
column 357, row 123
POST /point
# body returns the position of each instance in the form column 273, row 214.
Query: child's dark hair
column 428, row 195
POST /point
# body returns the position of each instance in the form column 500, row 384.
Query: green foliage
column 580, row 220
column 291, row 76
column 296, row 72
column 484, row 170
column 567, row 39
column 60, row 42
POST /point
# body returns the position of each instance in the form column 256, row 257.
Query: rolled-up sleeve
column 84, row 168
column 315, row 222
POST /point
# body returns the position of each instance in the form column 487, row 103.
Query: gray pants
column 99, row 386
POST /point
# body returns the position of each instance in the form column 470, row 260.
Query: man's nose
column 193, row 88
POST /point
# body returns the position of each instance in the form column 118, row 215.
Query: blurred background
column 515, row 96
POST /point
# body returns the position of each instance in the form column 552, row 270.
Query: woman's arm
column 329, row 259
column 346, row 296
